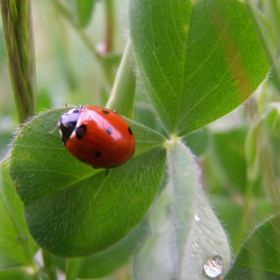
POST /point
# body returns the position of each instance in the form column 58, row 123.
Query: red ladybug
column 97, row 136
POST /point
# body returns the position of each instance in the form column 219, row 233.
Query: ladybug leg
column 116, row 112
column 66, row 105
column 107, row 171
column 52, row 131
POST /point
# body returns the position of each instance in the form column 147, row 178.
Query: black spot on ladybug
column 80, row 131
column 130, row 131
column 105, row 112
column 97, row 154
column 109, row 130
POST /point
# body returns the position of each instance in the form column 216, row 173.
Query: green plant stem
column 86, row 40
column 73, row 268
column 123, row 92
column 251, row 178
column 17, row 25
column 50, row 267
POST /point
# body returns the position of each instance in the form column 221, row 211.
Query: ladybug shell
column 97, row 136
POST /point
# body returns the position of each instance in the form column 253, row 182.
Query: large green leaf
column 72, row 209
column 260, row 254
column 107, row 261
column 185, row 232
column 198, row 60
column 17, row 245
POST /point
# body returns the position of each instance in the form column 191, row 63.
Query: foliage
column 185, row 65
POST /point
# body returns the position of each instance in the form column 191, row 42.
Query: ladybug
column 96, row 136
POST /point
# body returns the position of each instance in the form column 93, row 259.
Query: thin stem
column 49, row 265
column 85, row 39
column 110, row 26
column 17, row 25
column 123, row 92
column 72, row 268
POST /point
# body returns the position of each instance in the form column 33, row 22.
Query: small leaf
column 260, row 254
column 185, row 232
column 72, row 209
column 17, row 245
column 84, row 10
column 198, row 60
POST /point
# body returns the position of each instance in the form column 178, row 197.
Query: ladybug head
column 67, row 123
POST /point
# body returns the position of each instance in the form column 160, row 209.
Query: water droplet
column 214, row 266
column 197, row 219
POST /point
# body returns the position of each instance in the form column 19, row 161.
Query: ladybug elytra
column 97, row 136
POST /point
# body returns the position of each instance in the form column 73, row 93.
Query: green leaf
column 271, row 9
column 84, row 10
column 198, row 60
column 17, row 245
column 108, row 260
column 185, row 232
column 259, row 255
column 72, row 209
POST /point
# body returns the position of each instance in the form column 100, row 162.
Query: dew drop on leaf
column 214, row 266
column 197, row 219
